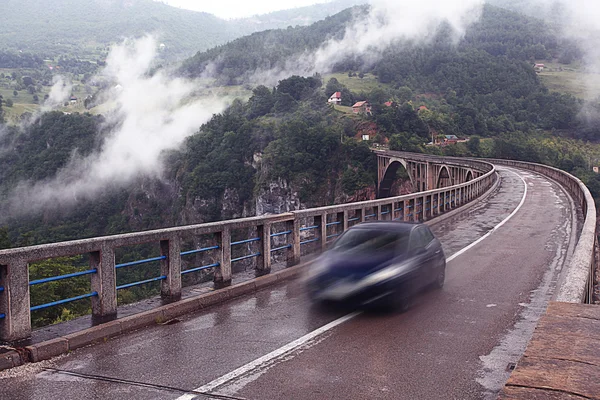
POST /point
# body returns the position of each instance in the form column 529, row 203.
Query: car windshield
column 372, row 240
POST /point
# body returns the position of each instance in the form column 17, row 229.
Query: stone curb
column 10, row 359
column 62, row 345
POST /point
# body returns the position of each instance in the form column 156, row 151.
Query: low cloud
column 59, row 94
column 153, row 112
column 387, row 22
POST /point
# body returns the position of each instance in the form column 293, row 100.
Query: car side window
column 428, row 236
column 417, row 240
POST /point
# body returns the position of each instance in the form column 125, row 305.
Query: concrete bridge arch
column 425, row 172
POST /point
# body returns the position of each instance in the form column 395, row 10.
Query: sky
column 228, row 9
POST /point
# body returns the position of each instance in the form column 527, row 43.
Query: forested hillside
column 487, row 81
column 70, row 26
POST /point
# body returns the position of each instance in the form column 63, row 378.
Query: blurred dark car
column 379, row 264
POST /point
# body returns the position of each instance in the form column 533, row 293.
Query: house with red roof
column 335, row 98
column 362, row 107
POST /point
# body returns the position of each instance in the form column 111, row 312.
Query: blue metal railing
column 245, row 257
column 334, row 235
column 281, row 233
column 370, row 216
column 2, row 316
column 61, row 277
column 289, row 246
column 203, row 250
column 245, row 241
column 310, row 241
column 1, row 289
column 185, row 253
column 334, row 223
column 148, row 260
column 189, row 271
column 353, row 219
column 128, row 285
column 59, row 302
column 308, row 228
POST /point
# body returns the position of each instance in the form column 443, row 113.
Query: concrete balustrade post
column 170, row 288
column 294, row 251
column 16, row 325
column 361, row 215
column 263, row 261
column 104, row 282
column 223, row 271
column 390, row 215
column 345, row 223
column 321, row 221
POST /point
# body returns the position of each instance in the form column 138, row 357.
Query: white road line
column 460, row 252
column 264, row 359
column 304, row 339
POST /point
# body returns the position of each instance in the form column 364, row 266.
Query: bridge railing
column 295, row 233
column 577, row 280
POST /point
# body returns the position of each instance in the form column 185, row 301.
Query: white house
column 335, row 98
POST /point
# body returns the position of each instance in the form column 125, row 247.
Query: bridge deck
column 562, row 360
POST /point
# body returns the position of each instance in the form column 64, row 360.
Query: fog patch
column 154, row 111
column 387, row 22
column 59, row 93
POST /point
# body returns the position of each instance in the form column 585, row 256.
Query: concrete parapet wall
column 575, row 285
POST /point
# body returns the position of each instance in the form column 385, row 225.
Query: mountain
column 499, row 32
column 60, row 26
column 547, row 11
column 270, row 48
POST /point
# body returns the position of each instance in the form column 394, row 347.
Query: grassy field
column 571, row 80
column 344, row 109
column 356, row 84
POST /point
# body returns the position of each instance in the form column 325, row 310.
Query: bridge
column 255, row 336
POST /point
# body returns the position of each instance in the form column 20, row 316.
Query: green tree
column 474, row 145
column 4, row 239
column 59, row 290
column 261, row 102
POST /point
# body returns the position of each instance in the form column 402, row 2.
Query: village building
column 362, row 107
column 335, row 98
column 539, row 67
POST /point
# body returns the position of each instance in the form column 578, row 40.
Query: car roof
column 394, row 226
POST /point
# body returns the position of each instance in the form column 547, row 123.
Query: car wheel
column 440, row 278
column 399, row 302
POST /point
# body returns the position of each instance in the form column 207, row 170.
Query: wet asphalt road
column 452, row 344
